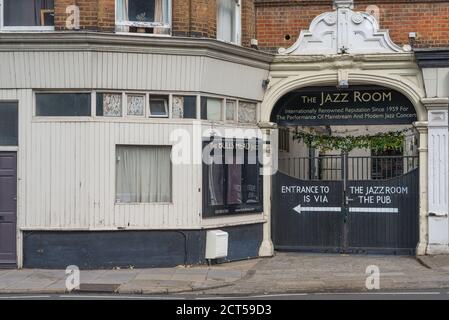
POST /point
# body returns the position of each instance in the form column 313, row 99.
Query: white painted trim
column 437, row 249
column 9, row 148
column 202, row 226
column 374, row 210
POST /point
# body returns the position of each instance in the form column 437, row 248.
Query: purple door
column 8, row 205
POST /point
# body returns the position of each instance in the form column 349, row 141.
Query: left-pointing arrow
column 300, row 209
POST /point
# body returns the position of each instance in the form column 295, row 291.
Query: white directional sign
column 375, row 210
column 300, row 209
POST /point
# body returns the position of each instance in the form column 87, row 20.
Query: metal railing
column 360, row 168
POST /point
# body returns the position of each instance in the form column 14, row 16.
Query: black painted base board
column 137, row 249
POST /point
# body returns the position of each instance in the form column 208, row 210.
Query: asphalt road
column 393, row 295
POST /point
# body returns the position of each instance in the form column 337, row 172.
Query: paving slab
column 284, row 273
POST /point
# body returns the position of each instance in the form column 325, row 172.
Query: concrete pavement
column 296, row 273
column 285, row 273
column 126, row 281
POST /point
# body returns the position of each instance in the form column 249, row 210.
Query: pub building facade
column 107, row 109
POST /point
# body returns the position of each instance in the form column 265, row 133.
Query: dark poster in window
column 232, row 183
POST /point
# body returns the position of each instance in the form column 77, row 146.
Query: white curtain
column 143, row 174
column 122, row 10
column 227, row 10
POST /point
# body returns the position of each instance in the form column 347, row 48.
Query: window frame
column 257, row 104
column 236, row 105
column 210, row 211
column 115, row 92
column 145, row 106
column 222, row 99
column 167, row 114
column 4, row 28
column 237, row 26
column 92, row 105
column 175, row 95
column 117, row 203
column 137, row 24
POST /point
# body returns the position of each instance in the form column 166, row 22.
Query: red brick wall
column 181, row 17
column 203, row 18
column 277, row 20
column 88, row 13
column 195, row 18
column 248, row 22
column 60, row 13
column 106, row 15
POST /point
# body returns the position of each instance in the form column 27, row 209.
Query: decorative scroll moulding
column 344, row 31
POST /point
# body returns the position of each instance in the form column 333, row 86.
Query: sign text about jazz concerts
column 355, row 106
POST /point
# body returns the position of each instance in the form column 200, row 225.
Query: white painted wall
column 129, row 71
column 66, row 174
column 66, row 166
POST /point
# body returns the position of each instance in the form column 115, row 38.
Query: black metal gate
column 347, row 204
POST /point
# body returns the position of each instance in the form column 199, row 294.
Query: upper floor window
column 27, row 14
column 143, row 16
column 229, row 21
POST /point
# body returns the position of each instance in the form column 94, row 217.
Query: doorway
column 363, row 199
column 8, row 209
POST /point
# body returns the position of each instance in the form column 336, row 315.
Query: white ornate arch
column 284, row 86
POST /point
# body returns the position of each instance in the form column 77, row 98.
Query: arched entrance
column 347, row 48
column 329, row 196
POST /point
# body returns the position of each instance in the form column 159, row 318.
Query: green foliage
column 393, row 140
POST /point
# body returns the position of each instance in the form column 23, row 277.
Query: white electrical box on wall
column 216, row 244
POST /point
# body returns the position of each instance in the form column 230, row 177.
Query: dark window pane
column 190, row 107
column 216, row 184
column 63, row 104
column 141, row 10
column 28, row 13
column 8, row 124
column 234, row 195
column 250, row 183
column 203, row 108
column 158, row 106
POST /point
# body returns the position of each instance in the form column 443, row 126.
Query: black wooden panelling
column 308, row 230
column 140, row 249
column 395, row 232
column 367, row 232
